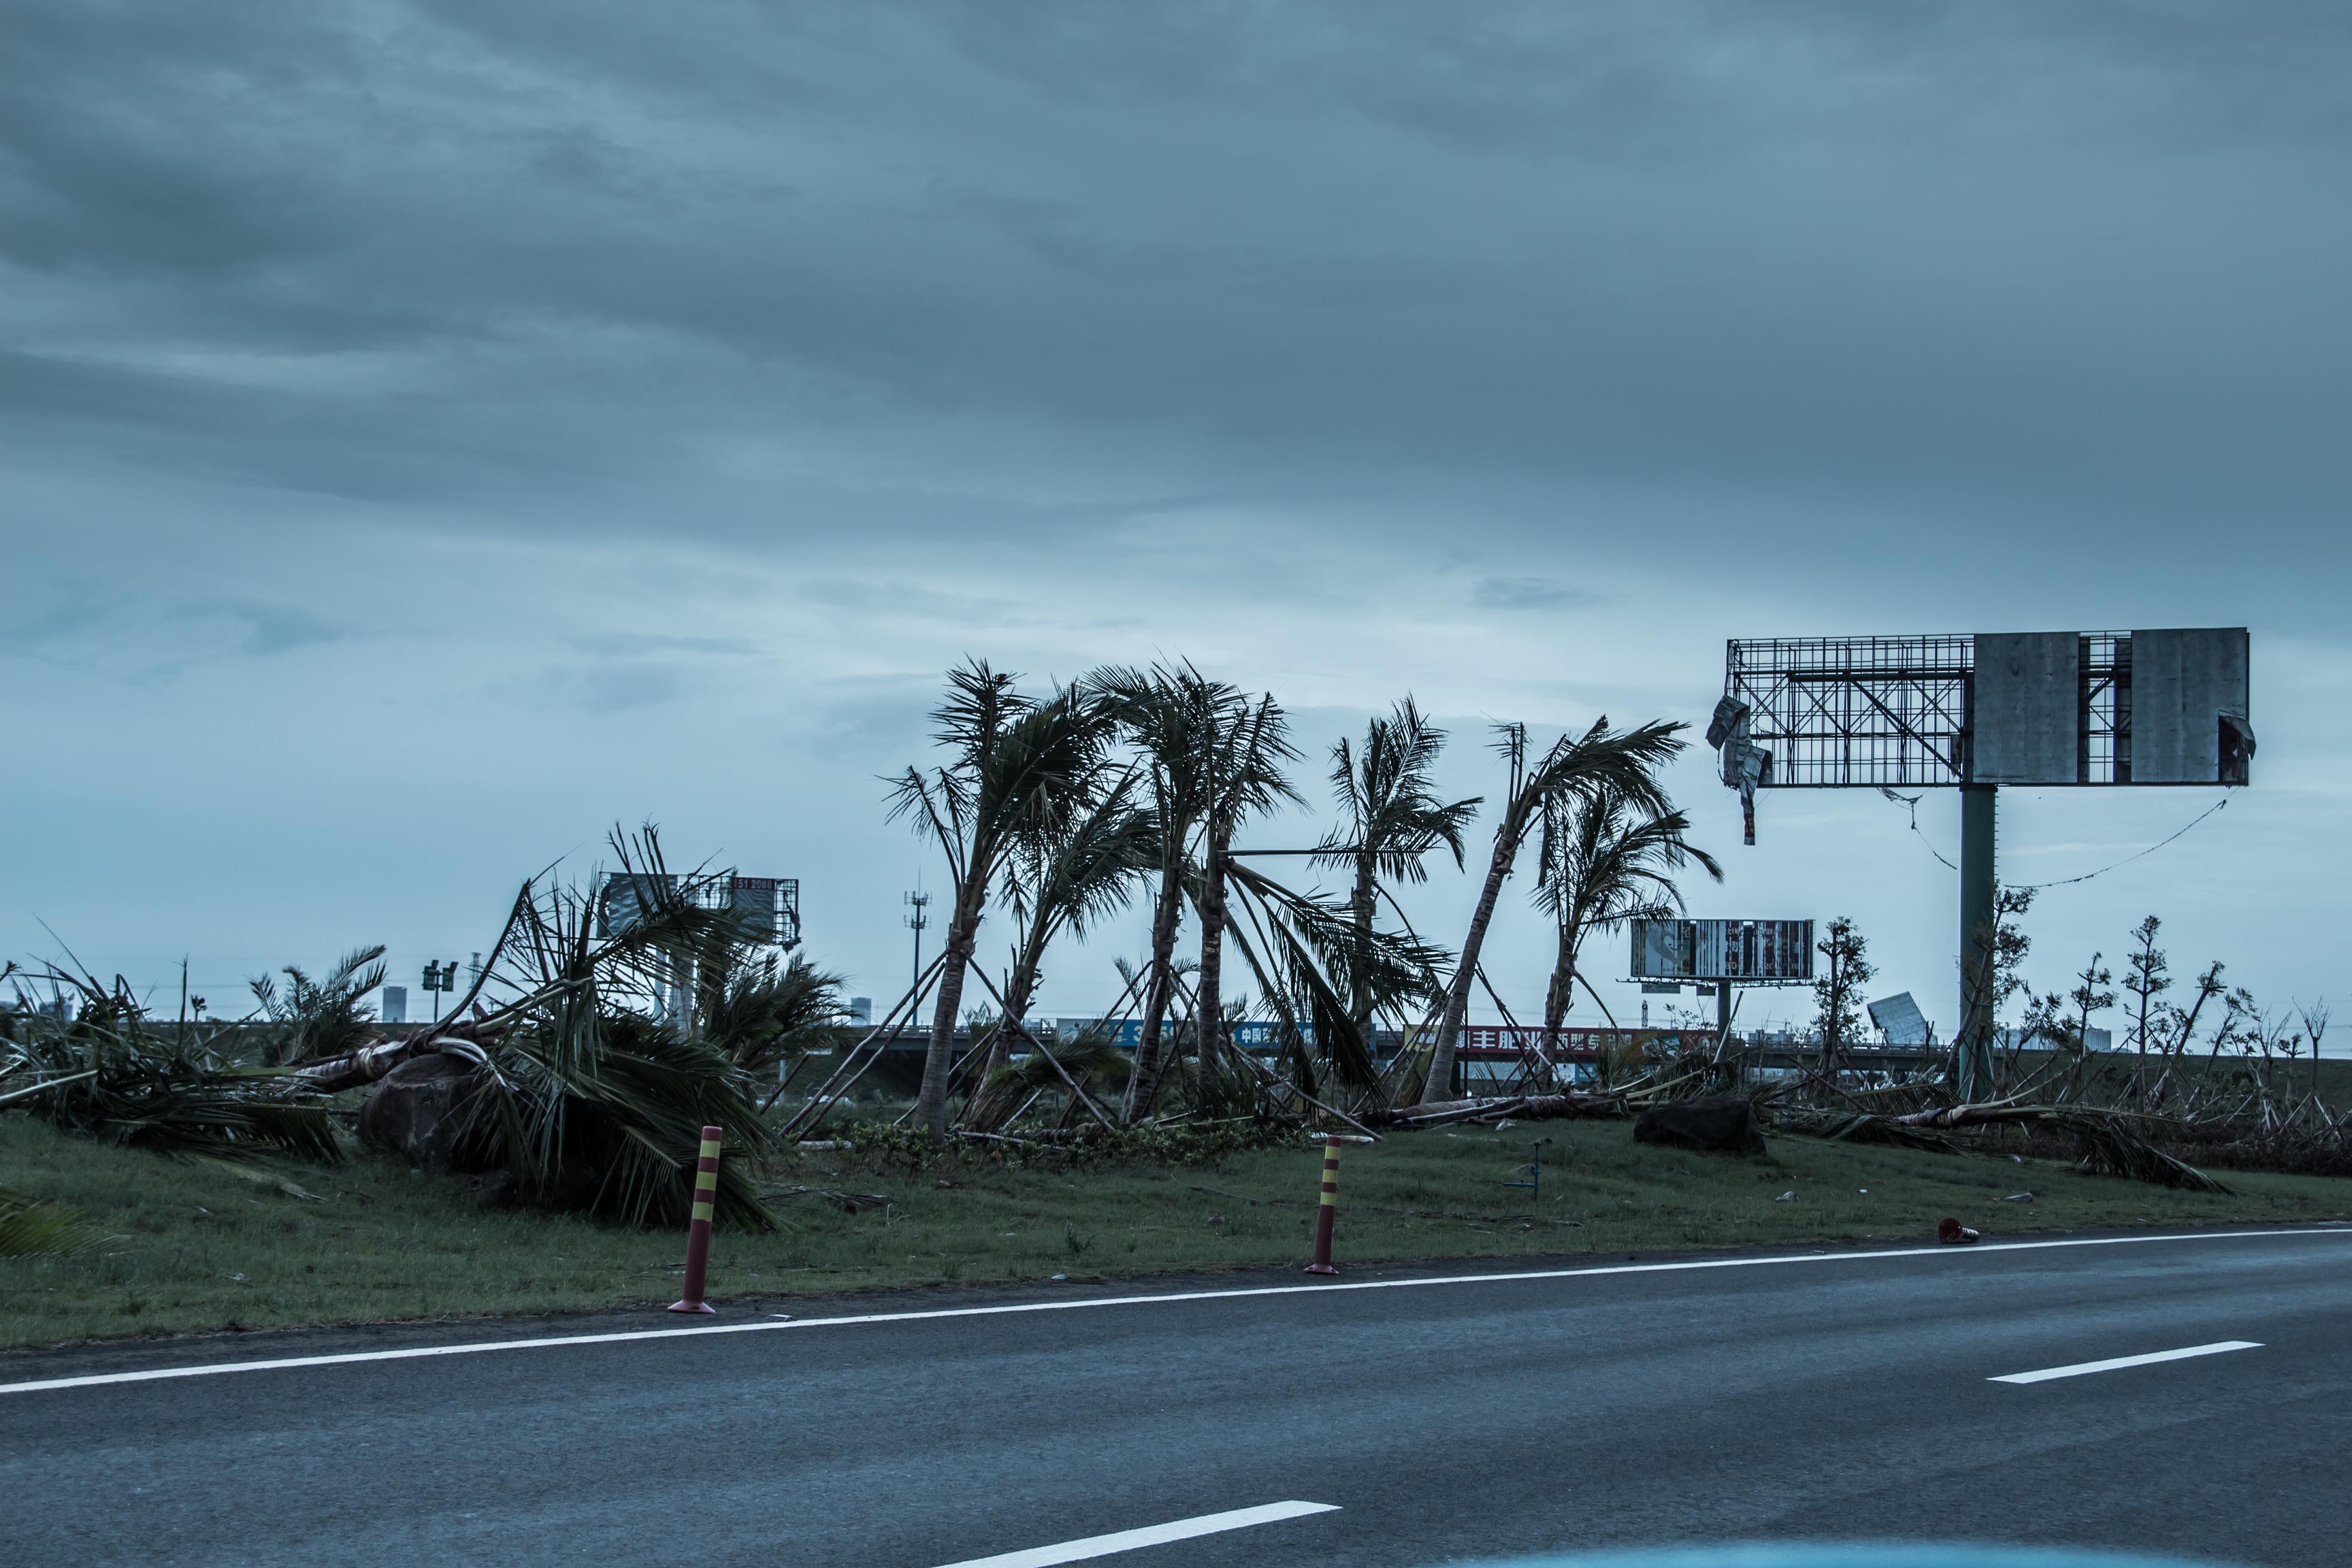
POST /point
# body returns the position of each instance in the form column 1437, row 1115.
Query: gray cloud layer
column 2005, row 259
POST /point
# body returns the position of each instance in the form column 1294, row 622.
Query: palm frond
column 32, row 1229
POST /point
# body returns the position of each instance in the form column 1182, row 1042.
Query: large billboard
column 2148, row 707
column 1755, row 951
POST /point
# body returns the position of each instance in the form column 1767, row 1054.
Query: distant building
column 2093, row 1039
column 861, row 1010
column 394, row 1006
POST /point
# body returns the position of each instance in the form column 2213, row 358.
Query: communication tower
column 918, row 905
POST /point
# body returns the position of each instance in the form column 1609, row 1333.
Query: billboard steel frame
column 1867, row 712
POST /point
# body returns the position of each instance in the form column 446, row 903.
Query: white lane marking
column 2083, row 1368
column 1150, row 1535
column 346, row 1358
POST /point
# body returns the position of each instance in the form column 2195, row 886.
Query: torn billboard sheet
column 1900, row 1019
column 1746, row 765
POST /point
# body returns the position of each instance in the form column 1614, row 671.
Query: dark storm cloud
column 266, row 629
column 2001, row 261
column 1529, row 594
column 642, row 645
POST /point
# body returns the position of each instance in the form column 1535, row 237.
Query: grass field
column 201, row 1248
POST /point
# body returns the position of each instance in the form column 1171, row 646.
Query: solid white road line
column 2083, row 1368
column 1150, row 1535
column 219, row 1369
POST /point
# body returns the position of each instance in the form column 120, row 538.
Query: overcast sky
column 436, row 432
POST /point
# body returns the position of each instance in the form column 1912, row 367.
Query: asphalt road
column 1803, row 1397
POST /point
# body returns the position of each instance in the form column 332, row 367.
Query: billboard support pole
column 1980, row 890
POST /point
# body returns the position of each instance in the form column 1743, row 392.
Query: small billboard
column 1756, row 952
column 767, row 908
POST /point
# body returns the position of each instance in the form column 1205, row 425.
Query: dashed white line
column 1084, row 1303
column 2117, row 1363
column 1150, row 1535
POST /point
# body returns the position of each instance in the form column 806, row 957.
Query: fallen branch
column 1518, row 1107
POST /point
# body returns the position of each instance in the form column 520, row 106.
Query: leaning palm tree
column 1603, row 862
column 1162, row 712
column 1245, row 780
column 1574, row 766
column 1067, row 879
column 1013, row 765
column 1390, row 818
column 1303, row 949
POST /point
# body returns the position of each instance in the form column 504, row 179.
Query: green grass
column 199, row 1247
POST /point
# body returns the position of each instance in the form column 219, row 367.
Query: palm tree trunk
column 1000, row 1051
column 1559, row 996
column 979, row 1106
column 1209, row 1007
column 1360, row 985
column 1143, row 1084
column 1440, row 1084
column 963, row 935
column 1018, row 986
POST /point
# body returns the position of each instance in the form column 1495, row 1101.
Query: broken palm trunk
column 2107, row 1142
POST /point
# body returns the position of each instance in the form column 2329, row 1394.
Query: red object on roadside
column 1952, row 1233
column 698, row 1226
column 1327, row 1210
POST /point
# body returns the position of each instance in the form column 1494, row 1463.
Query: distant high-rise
column 394, row 1007
column 861, row 1010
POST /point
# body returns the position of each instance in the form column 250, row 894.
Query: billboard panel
column 2188, row 707
column 2025, row 708
column 624, row 901
column 1755, row 951
column 768, row 908
column 1664, row 948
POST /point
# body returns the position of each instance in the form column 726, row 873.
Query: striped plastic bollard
column 698, row 1227
column 1327, row 1210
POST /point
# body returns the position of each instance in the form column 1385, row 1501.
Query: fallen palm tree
column 565, row 1080
column 114, row 1073
column 556, row 1078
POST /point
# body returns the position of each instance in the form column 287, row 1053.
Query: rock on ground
column 421, row 1111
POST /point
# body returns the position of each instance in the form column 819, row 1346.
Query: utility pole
column 918, row 902
column 1979, row 903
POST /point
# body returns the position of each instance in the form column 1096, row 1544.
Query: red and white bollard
column 698, row 1227
column 1327, row 1210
